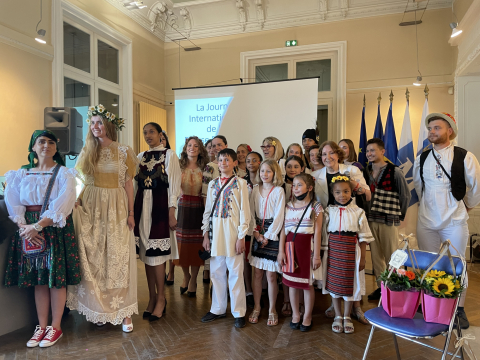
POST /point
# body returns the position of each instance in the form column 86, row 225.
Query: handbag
column 37, row 254
column 256, row 243
column 291, row 265
column 202, row 254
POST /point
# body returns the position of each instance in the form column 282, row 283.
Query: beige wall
column 380, row 55
column 26, row 78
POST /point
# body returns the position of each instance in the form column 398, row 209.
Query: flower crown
column 99, row 110
column 340, row 178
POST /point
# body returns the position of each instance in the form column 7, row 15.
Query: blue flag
column 378, row 133
column 390, row 138
column 362, row 147
column 406, row 156
column 423, row 143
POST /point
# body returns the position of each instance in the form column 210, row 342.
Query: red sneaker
column 52, row 336
column 38, row 335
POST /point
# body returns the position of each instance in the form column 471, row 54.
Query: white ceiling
column 195, row 19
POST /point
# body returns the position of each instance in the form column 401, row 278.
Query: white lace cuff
column 59, row 219
column 18, row 219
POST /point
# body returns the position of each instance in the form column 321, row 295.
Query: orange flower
column 410, row 275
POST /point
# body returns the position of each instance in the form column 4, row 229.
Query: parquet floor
column 181, row 335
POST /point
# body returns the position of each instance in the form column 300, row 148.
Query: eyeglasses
column 266, row 147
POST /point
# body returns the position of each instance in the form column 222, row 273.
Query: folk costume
column 30, row 196
column 190, row 216
column 210, row 173
column 227, row 222
column 158, row 187
column 108, row 290
column 347, row 226
column 303, row 276
column 267, row 215
column 388, row 206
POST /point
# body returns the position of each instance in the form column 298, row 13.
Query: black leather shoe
column 206, row 281
column 155, row 317
column 240, row 322
column 146, row 314
column 168, row 282
column 211, row 316
column 304, row 328
column 250, row 301
column 294, row 326
column 192, row 294
column 464, row 323
column 183, row 290
column 375, row 295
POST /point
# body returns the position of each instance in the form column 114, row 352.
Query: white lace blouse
column 28, row 188
column 275, row 209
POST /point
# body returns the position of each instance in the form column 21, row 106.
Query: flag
column 406, row 156
column 390, row 138
column 362, row 147
column 378, row 133
column 423, row 143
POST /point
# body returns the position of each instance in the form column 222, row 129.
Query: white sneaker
column 127, row 328
column 38, row 336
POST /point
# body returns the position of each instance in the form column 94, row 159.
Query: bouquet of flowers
column 440, row 292
column 400, row 292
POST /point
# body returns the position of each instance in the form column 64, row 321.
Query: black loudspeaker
column 66, row 123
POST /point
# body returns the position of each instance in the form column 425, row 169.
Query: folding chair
column 417, row 328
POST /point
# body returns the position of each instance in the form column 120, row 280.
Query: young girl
column 242, row 152
column 350, row 154
column 294, row 149
column 253, row 161
column 348, row 236
column 267, row 207
column 211, row 154
column 303, row 229
column 315, row 164
column 294, row 165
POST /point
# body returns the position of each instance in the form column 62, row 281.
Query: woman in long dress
column 41, row 183
column 104, row 221
column 158, row 188
column 193, row 159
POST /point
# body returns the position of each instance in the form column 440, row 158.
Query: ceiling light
column 40, row 33
column 418, row 82
column 455, row 31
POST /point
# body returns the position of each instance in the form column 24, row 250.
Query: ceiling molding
column 199, row 19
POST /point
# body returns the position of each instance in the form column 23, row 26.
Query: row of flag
column 403, row 156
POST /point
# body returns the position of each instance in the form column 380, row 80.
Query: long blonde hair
column 278, row 154
column 277, row 172
column 91, row 150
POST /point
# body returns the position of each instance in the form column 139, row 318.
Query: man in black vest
column 447, row 183
column 388, row 206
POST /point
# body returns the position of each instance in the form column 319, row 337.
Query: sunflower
column 435, row 273
column 443, row 286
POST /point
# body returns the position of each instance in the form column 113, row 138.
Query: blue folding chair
column 417, row 328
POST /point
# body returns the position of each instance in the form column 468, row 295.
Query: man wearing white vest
column 446, row 179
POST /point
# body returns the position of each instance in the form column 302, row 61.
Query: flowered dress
column 59, row 266
column 108, row 291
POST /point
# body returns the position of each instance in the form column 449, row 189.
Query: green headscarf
column 31, row 156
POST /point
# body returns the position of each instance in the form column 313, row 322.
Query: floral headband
column 340, row 178
column 99, row 110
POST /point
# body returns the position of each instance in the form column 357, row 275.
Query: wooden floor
column 181, row 335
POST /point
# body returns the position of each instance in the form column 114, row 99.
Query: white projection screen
column 247, row 113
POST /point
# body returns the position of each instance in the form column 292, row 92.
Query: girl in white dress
column 348, row 236
column 267, row 206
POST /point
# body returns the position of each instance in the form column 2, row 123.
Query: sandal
column 358, row 315
column 330, row 312
column 338, row 324
column 286, row 308
column 272, row 319
column 253, row 318
column 348, row 325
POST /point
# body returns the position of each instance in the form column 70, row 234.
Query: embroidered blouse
column 231, row 216
column 209, row 173
column 27, row 188
column 293, row 215
column 275, row 209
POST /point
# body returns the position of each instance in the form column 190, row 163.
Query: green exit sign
column 291, row 43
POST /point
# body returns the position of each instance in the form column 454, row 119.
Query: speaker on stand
column 66, row 123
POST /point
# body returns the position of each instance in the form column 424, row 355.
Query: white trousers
column 218, row 273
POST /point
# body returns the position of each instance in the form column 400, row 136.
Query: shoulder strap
column 49, row 188
column 218, row 195
column 298, row 225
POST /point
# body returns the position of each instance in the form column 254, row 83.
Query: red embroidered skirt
column 341, row 263
column 301, row 277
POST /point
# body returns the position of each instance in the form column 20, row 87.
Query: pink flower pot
column 400, row 304
column 437, row 310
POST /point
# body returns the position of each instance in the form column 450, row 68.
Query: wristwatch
column 38, row 227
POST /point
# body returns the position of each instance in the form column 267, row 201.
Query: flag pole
column 391, row 95
column 379, row 98
column 363, row 100
column 407, row 95
column 426, row 90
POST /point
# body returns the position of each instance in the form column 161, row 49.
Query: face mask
column 301, row 197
